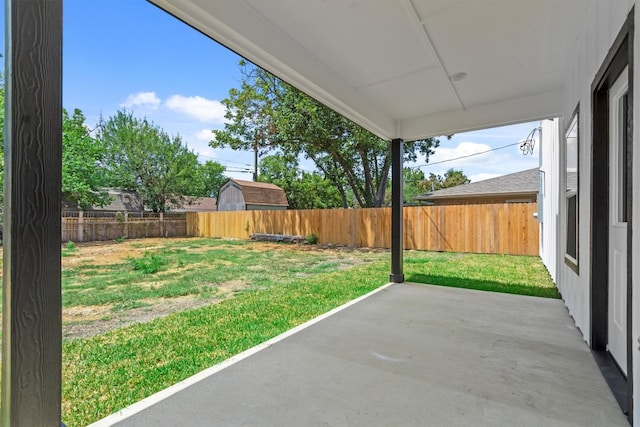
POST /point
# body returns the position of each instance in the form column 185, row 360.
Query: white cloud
column 202, row 109
column 465, row 154
column 476, row 160
column 204, row 135
column 142, row 99
column 482, row 176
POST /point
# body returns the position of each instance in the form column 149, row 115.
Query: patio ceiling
column 391, row 66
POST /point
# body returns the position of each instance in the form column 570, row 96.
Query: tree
column 81, row 156
column 451, row 178
column 141, row 156
column 269, row 115
column 304, row 190
column 414, row 184
column 210, row 177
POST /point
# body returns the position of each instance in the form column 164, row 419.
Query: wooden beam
column 32, row 330
column 397, row 220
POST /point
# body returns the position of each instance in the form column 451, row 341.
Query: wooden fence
column 482, row 228
column 84, row 227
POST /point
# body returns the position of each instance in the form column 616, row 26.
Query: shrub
column 311, row 239
column 149, row 263
column 70, row 245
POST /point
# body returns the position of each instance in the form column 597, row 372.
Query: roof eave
column 479, row 196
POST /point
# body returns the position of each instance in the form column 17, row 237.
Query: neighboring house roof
column 121, row 201
column 198, row 204
column 515, row 184
column 261, row 193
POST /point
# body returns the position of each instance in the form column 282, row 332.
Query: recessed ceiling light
column 457, row 77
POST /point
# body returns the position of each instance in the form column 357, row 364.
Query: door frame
column 619, row 57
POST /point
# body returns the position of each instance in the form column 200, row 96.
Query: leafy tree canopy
column 271, row 116
column 210, row 177
column 141, row 156
column 451, row 178
column 81, row 156
column 304, row 190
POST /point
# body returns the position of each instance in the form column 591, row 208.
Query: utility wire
column 219, row 160
column 464, row 157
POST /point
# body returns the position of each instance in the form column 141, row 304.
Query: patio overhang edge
column 364, row 114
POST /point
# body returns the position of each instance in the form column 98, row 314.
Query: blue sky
column 128, row 53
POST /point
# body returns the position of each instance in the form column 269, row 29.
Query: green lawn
column 285, row 285
column 194, row 267
column 107, row 372
column 524, row 275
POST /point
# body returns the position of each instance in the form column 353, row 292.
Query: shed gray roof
column 518, row 183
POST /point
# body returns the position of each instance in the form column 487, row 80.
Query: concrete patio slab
column 409, row 355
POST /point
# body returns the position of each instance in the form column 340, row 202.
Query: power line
column 219, row 160
column 464, row 157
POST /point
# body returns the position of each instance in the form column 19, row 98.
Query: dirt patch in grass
column 98, row 259
column 81, row 321
column 86, row 321
column 100, row 321
column 109, row 253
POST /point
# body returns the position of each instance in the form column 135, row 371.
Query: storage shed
column 239, row 195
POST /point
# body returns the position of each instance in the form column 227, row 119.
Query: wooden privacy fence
column 481, row 228
column 81, row 227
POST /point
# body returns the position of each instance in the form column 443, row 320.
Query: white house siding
column 635, row 246
column 605, row 21
column 550, row 167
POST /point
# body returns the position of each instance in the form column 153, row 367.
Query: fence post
column 80, row 226
column 162, row 224
column 126, row 224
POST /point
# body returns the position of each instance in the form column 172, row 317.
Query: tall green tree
column 141, row 156
column 414, row 184
column 81, row 156
column 210, row 177
column 269, row 115
column 304, row 190
column 451, row 178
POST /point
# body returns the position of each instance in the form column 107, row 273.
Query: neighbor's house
column 198, row 204
column 239, row 195
column 518, row 187
column 123, row 201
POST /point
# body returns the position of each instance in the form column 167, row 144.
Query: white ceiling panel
column 351, row 43
column 386, row 64
column 508, row 48
column 405, row 96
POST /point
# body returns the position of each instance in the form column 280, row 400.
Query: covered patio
column 406, row 355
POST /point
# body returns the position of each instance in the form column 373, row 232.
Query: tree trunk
column 382, row 184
